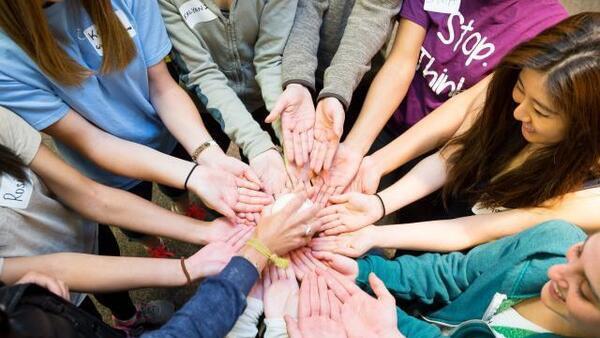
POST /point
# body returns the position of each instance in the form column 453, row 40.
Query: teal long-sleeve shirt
column 464, row 284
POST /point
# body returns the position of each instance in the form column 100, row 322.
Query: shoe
column 159, row 251
column 155, row 313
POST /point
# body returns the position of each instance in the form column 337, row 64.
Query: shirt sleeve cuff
column 340, row 98
column 240, row 272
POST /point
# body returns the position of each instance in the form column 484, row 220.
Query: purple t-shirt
column 461, row 49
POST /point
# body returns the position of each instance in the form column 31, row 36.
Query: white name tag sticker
column 14, row 193
column 195, row 12
column 442, row 6
column 93, row 36
column 126, row 23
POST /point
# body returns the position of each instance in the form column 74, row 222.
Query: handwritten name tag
column 195, row 12
column 93, row 36
column 14, row 193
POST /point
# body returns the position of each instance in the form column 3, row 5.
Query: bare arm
column 175, row 108
column 389, row 86
column 116, row 155
column 457, row 234
column 433, row 130
column 91, row 273
column 114, row 206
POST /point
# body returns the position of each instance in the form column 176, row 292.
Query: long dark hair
column 569, row 53
column 11, row 164
column 25, row 23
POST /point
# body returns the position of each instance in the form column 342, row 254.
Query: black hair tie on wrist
column 188, row 176
column 382, row 207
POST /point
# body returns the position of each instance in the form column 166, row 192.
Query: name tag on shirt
column 195, row 12
column 93, row 36
column 14, row 193
column 442, row 6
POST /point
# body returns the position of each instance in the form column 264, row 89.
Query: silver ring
column 307, row 230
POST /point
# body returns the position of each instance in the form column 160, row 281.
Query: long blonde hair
column 25, row 23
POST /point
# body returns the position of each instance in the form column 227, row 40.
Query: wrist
column 254, row 257
column 206, row 151
column 357, row 144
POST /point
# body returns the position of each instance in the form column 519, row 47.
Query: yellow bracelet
column 263, row 250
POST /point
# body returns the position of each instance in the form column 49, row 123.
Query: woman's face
column 573, row 291
column 542, row 124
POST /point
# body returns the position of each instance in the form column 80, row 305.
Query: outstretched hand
column 225, row 193
column 333, row 181
column 363, row 315
column 329, row 126
column 281, row 292
column 297, row 112
column 212, row 258
column 318, row 313
column 350, row 212
column 350, row 244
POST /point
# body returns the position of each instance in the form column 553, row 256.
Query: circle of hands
column 341, row 184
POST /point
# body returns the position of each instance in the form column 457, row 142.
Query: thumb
column 280, row 105
column 226, row 211
column 378, row 287
column 338, row 124
column 338, row 199
column 292, row 327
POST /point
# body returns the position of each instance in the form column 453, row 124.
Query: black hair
column 11, row 164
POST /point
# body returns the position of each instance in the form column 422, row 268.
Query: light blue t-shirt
column 118, row 103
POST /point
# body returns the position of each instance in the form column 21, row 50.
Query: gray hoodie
column 333, row 43
column 232, row 63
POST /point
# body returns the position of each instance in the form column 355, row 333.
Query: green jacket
column 232, row 63
column 465, row 284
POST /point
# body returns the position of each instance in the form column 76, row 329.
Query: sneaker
column 157, row 312
column 154, row 313
column 159, row 251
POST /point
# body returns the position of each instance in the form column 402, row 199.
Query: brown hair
column 569, row 53
column 25, row 23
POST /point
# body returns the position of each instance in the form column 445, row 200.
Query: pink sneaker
column 153, row 313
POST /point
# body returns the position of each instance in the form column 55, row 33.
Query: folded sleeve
column 19, row 137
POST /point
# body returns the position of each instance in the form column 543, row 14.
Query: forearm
column 433, row 130
column 114, row 206
column 460, row 233
column 426, row 177
column 92, row 273
column 367, row 29
column 180, row 116
column 125, row 210
column 300, row 61
column 276, row 22
column 385, row 95
column 119, row 156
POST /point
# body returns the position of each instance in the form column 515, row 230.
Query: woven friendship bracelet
column 263, row 250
